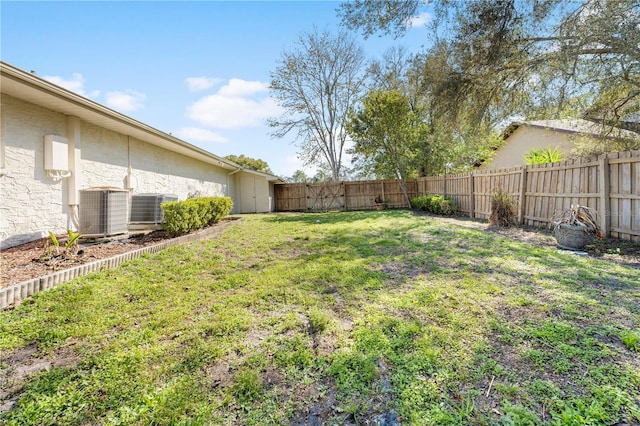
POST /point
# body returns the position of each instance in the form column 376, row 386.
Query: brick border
column 15, row 293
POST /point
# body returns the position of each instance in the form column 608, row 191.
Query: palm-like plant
column 543, row 156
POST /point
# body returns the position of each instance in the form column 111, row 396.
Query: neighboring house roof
column 574, row 126
column 31, row 88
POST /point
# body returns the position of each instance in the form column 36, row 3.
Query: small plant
column 631, row 340
column 380, row 203
column 543, row 156
column 68, row 250
column 502, row 210
column 437, row 204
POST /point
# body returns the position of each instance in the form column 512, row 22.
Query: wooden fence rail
column 609, row 184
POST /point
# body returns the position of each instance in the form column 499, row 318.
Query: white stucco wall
column 154, row 170
column 33, row 204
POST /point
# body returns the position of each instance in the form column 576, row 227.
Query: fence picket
column 610, row 184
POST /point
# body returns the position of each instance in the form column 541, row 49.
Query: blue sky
column 198, row 70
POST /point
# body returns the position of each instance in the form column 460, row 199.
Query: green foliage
column 69, row 249
column 539, row 59
column 437, row 204
column 386, row 132
column 543, row 156
column 319, row 320
column 182, row 217
column 631, row 339
column 247, row 387
column 250, row 163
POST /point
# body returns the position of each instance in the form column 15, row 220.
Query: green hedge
column 437, row 204
column 182, row 217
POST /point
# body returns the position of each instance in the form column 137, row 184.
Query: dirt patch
column 22, row 363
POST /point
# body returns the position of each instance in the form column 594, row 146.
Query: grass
column 333, row 318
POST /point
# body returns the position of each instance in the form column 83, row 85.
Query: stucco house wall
column 525, row 138
column 562, row 134
column 32, row 203
column 99, row 148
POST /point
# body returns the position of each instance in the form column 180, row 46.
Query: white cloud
column 197, row 84
column 419, row 21
column 293, row 163
column 126, row 101
column 239, row 88
column 196, row 134
column 75, row 84
column 239, row 103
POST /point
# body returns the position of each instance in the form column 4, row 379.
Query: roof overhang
column 36, row 90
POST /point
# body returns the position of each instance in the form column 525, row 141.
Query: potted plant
column 380, row 203
column 575, row 227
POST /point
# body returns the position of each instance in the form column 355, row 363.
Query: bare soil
column 31, row 260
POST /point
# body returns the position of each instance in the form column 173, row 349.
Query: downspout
column 229, row 174
column 129, row 186
column 227, row 189
column 75, row 167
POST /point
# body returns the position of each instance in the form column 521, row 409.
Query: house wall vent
column 145, row 208
column 104, row 212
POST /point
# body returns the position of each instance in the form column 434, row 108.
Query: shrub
column 437, row 204
column 192, row 214
column 543, row 156
column 502, row 211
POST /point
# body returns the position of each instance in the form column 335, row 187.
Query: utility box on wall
column 56, row 157
column 56, row 154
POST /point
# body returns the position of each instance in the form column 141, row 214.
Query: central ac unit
column 145, row 208
column 104, row 212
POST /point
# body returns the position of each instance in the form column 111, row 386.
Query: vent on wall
column 104, row 212
column 145, row 208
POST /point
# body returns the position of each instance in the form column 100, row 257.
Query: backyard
column 380, row 318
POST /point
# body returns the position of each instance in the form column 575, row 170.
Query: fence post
column 605, row 201
column 444, row 184
column 523, row 193
column 306, row 197
column 471, row 197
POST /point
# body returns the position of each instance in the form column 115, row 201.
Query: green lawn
column 339, row 318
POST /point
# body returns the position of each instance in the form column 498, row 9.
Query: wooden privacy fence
column 609, row 184
column 346, row 196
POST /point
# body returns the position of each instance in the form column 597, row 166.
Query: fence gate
column 324, row 197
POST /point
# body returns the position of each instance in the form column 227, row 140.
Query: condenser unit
column 145, row 208
column 104, row 212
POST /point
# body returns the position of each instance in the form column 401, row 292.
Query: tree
column 387, row 132
column 492, row 60
column 317, row 83
column 250, row 163
column 299, row 176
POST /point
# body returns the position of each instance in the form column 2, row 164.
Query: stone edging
column 20, row 291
